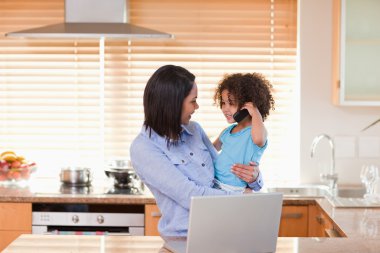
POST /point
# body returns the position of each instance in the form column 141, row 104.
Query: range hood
column 89, row 19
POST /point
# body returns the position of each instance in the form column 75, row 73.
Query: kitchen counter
column 150, row 244
column 360, row 225
column 52, row 191
column 100, row 192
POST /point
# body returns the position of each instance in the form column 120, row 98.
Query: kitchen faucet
column 332, row 176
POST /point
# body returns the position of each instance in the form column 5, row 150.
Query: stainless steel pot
column 75, row 189
column 77, row 176
column 120, row 164
column 123, row 175
column 123, row 178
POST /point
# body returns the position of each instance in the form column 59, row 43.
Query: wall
column 318, row 114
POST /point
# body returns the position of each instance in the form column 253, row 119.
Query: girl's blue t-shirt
column 236, row 148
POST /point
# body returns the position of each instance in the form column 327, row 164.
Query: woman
column 172, row 155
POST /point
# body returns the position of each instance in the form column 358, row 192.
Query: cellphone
column 240, row 115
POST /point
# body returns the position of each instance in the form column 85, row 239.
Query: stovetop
column 97, row 187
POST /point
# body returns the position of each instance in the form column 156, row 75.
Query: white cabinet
column 356, row 60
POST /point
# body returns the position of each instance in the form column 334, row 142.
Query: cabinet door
column 15, row 219
column 315, row 222
column 294, row 221
column 152, row 216
column 356, row 52
column 16, row 216
column 320, row 224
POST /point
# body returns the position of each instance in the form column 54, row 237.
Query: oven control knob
column 75, row 218
column 100, row 219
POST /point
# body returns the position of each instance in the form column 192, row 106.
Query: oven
column 87, row 219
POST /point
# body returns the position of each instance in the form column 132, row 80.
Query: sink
column 351, row 197
column 346, row 196
column 302, row 191
column 350, row 192
column 318, row 191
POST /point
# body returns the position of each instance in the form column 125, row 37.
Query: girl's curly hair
column 247, row 88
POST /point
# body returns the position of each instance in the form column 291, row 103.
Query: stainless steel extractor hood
column 89, row 19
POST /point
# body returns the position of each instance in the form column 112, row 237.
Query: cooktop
column 97, row 187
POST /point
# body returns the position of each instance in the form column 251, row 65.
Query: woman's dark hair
column 163, row 98
column 247, row 88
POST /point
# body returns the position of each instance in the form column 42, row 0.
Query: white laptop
column 247, row 223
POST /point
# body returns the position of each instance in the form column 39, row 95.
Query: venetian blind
column 50, row 97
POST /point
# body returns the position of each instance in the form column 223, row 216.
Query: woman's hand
column 247, row 190
column 248, row 173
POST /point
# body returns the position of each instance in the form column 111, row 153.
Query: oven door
column 79, row 230
column 85, row 223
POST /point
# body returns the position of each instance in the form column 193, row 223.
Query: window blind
column 51, row 108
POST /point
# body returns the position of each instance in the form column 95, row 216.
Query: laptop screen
column 237, row 223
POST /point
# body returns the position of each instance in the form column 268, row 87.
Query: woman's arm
column 158, row 172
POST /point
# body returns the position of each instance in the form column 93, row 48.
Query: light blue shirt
column 236, row 148
column 177, row 173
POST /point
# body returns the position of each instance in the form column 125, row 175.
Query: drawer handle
column 155, row 214
column 332, row 233
column 320, row 220
column 292, row 215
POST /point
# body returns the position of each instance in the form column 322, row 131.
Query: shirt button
column 191, row 153
column 182, row 161
column 203, row 164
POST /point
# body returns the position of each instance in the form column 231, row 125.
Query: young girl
column 246, row 140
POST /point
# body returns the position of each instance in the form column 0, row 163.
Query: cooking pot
column 124, row 177
column 75, row 189
column 77, row 176
column 120, row 164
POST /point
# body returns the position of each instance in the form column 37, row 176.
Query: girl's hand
column 248, row 173
column 252, row 109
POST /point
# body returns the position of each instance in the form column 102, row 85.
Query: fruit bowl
column 14, row 168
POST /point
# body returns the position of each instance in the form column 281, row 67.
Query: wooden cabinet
column 307, row 221
column 356, row 47
column 320, row 224
column 152, row 216
column 294, row 221
column 15, row 219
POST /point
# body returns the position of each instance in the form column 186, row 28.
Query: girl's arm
column 258, row 131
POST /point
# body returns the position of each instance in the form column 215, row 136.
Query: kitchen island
column 359, row 226
column 150, row 244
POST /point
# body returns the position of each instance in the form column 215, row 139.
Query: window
column 51, row 105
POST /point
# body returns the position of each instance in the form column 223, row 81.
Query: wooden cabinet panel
column 320, row 224
column 315, row 227
column 16, row 216
column 294, row 221
column 152, row 216
column 15, row 219
column 6, row 237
